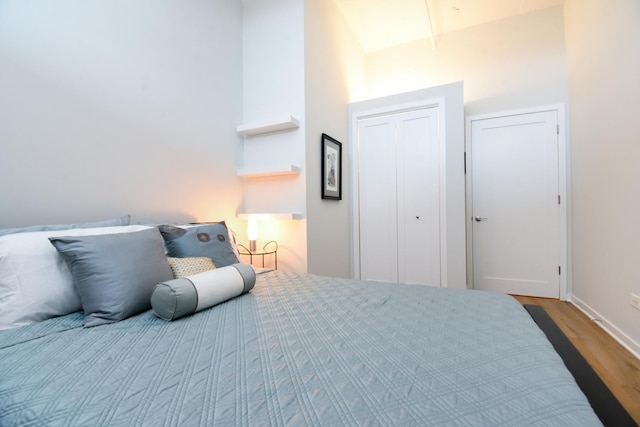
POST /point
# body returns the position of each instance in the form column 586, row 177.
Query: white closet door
column 418, row 197
column 377, row 197
column 399, row 200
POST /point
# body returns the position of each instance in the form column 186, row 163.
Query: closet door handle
column 478, row 219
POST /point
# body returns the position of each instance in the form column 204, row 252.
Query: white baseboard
column 608, row 327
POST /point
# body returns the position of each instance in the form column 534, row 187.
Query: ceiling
column 379, row 24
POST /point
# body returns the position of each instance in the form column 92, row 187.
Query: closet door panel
column 418, row 191
column 377, row 199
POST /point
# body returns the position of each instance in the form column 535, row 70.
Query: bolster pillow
column 181, row 297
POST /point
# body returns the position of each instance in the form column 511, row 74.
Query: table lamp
column 252, row 233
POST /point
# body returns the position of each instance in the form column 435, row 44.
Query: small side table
column 270, row 247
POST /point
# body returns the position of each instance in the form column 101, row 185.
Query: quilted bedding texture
column 297, row 350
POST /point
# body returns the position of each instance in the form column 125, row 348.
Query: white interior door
column 515, row 204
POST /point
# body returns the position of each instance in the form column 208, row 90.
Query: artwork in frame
column 331, row 168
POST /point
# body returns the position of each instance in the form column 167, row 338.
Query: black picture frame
column 331, row 168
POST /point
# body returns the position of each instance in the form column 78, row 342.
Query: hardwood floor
column 617, row 367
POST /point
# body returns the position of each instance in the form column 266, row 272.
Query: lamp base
column 252, row 245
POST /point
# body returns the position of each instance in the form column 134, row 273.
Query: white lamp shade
column 252, row 229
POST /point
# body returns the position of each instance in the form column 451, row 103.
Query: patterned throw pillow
column 206, row 240
column 182, row 267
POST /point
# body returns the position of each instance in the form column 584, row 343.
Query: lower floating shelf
column 269, row 216
column 273, row 171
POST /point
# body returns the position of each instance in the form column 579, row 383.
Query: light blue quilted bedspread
column 297, row 350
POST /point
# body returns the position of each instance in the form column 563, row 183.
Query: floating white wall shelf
column 269, row 171
column 269, row 216
column 275, row 125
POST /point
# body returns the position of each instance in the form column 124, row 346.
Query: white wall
column 119, row 106
column 604, row 65
column 273, row 86
column 333, row 73
column 512, row 63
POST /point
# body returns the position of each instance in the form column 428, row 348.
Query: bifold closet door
column 399, row 197
column 418, row 200
column 377, row 199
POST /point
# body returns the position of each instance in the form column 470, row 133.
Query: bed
column 298, row 350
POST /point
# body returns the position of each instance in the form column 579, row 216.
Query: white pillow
column 35, row 282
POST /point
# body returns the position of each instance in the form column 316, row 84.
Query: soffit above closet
column 379, row 24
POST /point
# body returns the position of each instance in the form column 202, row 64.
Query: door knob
column 478, row 219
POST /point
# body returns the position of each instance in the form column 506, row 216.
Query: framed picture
column 331, row 168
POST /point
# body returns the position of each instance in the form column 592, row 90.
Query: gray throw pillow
column 207, row 240
column 114, row 222
column 114, row 274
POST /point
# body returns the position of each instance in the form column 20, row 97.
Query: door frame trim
column 563, row 189
column 356, row 116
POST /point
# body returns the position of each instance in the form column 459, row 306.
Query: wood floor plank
column 616, row 366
